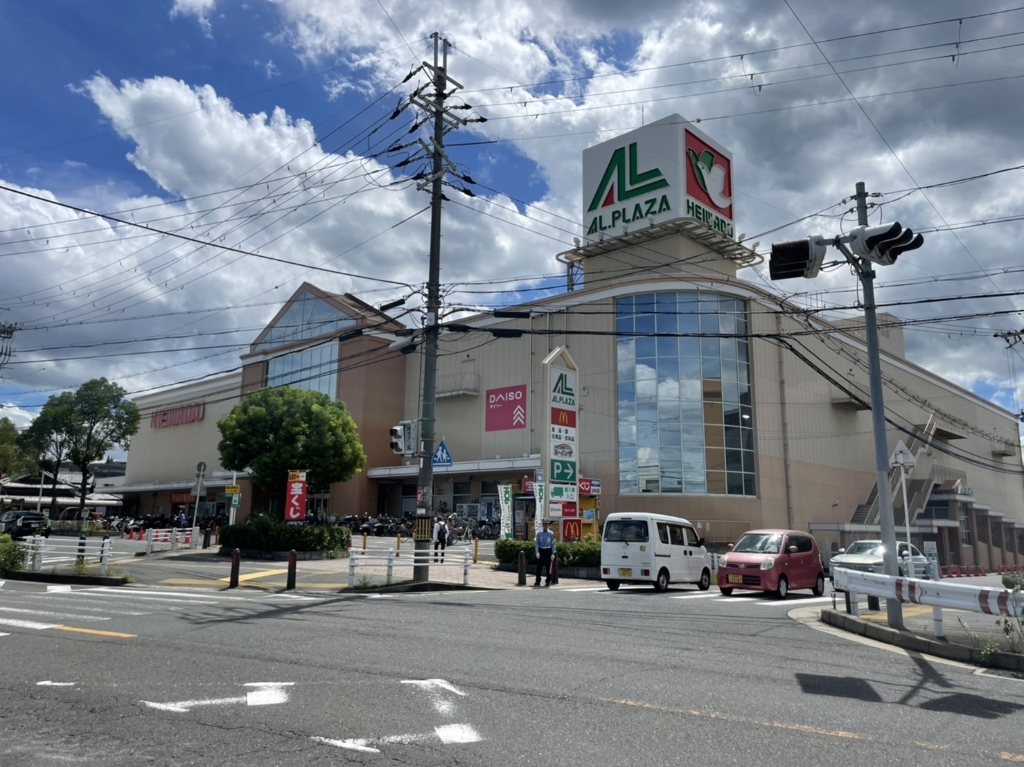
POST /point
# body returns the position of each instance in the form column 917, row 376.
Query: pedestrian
column 544, row 546
column 440, row 536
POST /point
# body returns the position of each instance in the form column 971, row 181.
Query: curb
column 79, row 580
column 908, row 641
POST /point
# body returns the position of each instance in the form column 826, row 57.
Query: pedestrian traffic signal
column 398, row 439
column 797, row 258
column 884, row 243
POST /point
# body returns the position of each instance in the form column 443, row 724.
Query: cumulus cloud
column 199, row 8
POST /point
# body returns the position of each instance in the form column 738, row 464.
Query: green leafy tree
column 274, row 431
column 48, row 437
column 14, row 459
column 102, row 420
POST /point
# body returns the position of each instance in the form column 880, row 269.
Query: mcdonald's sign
column 562, row 417
column 572, row 529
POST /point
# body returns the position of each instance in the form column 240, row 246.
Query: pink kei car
column 774, row 561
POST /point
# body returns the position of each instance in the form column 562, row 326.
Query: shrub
column 10, row 554
column 585, row 553
column 264, row 533
column 1013, row 580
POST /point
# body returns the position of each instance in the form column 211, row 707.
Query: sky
column 239, row 149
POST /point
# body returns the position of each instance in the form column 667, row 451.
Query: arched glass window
column 684, row 405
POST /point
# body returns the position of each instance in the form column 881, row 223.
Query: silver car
column 866, row 556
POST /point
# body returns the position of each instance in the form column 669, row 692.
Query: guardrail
column 172, row 537
column 391, row 557
column 37, row 551
column 938, row 594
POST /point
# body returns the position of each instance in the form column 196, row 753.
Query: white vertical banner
column 505, row 501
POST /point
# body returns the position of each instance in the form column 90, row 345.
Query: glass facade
column 684, row 405
column 308, row 317
column 315, row 369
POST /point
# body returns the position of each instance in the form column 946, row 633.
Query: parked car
column 774, row 561
column 21, row 524
column 638, row 547
column 866, row 556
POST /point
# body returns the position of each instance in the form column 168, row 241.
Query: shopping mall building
column 698, row 394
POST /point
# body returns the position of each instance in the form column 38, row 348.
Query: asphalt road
column 556, row 676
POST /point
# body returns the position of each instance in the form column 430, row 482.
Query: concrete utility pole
column 425, row 483
column 866, row 273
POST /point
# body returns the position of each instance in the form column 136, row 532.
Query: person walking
column 439, row 536
column 544, row 546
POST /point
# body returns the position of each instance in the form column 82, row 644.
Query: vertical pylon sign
column 561, row 448
column 295, row 509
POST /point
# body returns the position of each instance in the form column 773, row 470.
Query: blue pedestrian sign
column 441, row 456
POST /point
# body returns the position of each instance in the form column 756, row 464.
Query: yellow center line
column 96, row 632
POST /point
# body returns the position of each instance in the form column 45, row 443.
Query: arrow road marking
column 434, row 689
column 447, row 734
column 265, row 694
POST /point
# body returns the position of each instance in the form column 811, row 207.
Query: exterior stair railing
column 867, row 513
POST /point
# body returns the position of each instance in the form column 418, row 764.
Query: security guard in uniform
column 544, row 546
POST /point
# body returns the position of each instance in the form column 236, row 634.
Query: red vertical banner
column 295, row 505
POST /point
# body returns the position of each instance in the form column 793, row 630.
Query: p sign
column 572, row 529
column 563, row 471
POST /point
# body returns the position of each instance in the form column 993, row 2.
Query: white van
column 652, row 548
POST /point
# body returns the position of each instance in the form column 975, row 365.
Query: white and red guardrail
column 938, row 594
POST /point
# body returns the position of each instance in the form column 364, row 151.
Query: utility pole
column 425, row 482
column 866, row 273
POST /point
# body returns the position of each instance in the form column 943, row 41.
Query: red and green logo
column 708, row 176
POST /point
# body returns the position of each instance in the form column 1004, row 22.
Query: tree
column 48, row 437
column 14, row 460
column 274, row 431
column 102, row 420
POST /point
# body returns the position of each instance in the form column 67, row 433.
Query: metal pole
column 425, row 482
column 906, row 513
column 894, row 609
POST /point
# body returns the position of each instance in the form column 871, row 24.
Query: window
column 626, row 531
column 313, row 369
column 965, row 526
column 663, row 532
column 685, row 420
column 676, row 535
column 692, row 539
column 804, row 543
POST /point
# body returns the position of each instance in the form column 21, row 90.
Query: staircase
column 867, row 513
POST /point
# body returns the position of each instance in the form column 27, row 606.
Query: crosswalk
column 751, row 598
column 98, row 610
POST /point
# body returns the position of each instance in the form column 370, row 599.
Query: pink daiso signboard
column 506, row 408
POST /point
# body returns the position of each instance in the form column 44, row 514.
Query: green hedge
column 10, row 554
column 1013, row 580
column 262, row 533
column 585, row 553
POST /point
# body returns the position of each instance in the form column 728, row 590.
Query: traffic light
column 884, row 243
column 398, row 439
column 797, row 258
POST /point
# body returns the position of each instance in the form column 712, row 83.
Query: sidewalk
column 969, row 637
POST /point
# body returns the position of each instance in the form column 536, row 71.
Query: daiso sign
column 506, row 408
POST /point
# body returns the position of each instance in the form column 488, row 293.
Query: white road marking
column 51, row 589
column 150, row 597
column 26, row 624
column 433, row 688
column 266, row 694
column 447, row 734
column 788, row 603
column 4, row 635
column 48, row 683
column 122, row 592
column 701, row 595
column 587, row 588
column 48, row 613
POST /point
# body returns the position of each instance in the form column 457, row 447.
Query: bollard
column 351, row 572
column 149, row 542
column 937, row 622
column 364, row 543
column 476, row 550
column 291, row 571
column 206, row 538
column 105, row 551
column 81, row 550
column 465, row 568
column 391, row 568
column 554, row 568
column 522, row 569
column 37, row 554
column 236, row 562
column 398, row 545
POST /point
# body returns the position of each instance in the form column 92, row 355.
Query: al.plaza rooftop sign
column 663, row 171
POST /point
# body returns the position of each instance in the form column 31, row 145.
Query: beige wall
column 171, row 453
